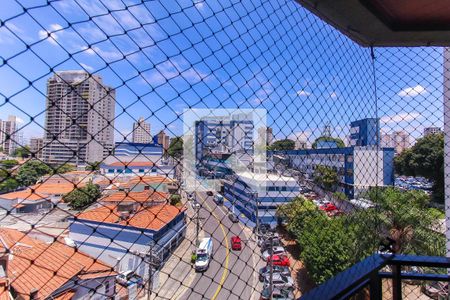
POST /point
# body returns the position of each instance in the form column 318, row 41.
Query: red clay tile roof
column 42, row 191
column 131, row 164
column 152, row 217
column 144, row 196
column 45, row 267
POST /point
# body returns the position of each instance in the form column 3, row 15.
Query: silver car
column 279, row 281
column 277, row 250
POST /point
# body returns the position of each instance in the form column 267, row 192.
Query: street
column 231, row 274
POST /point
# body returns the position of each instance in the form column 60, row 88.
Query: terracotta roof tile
column 144, row 196
column 46, row 267
column 152, row 217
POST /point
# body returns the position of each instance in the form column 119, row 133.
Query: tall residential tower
column 79, row 121
column 141, row 132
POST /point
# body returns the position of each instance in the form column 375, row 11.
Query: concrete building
column 36, row 147
column 139, row 165
column 122, row 235
column 431, row 130
column 79, row 118
column 259, row 195
column 266, row 133
column 152, row 151
column 224, row 136
column 358, row 168
column 141, row 132
column 162, row 139
column 38, row 270
column 9, row 135
column 365, row 132
column 399, row 140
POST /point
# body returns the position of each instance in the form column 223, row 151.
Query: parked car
column 277, row 250
column 233, row 218
column 279, row 281
column 278, row 294
column 263, row 272
column 328, row 207
column 262, row 229
column 236, row 243
column 265, row 244
column 279, row 260
column 123, row 277
column 190, row 196
column 209, row 193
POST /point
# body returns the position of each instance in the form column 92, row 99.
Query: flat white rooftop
column 249, row 176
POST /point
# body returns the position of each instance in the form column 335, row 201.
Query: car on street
column 263, row 272
column 190, row 196
column 236, row 243
column 277, row 250
column 266, row 244
column 279, row 281
column 209, row 193
column 127, row 278
column 278, row 294
column 328, row 207
column 279, row 260
column 233, row 218
column 265, row 239
column 196, row 205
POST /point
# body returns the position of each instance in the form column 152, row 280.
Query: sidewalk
column 177, row 274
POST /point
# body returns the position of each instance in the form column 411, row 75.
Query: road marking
column 227, row 258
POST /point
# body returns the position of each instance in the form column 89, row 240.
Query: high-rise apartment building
column 266, row 133
column 9, row 135
column 162, row 139
column 79, row 121
column 36, row 146
column 399, row 140
column 141, row 132
column 431, row 130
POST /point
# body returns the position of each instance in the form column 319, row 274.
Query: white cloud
column 51, row 35
column 199, row 4
column 333, row 95
column 303, row 93
column 87, row 67
column 401, row 117
column 412, row 91
column 175, row 68
column 87, row 50
column 19, row 120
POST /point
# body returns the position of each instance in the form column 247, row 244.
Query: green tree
column 425, row 158
column 340, row 196
column 31, row 171
column 325, row 177
column 22, row 152
column 63, row 169
column 175, row 199
column 8, row 185
column 295, row 213
column 405, row 216
column 9, row 163
column 176, row 147
column 95, row 166
column 282, row 145
column 339, row 143
column 81, row 198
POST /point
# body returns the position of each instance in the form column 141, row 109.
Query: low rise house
column 38, row 270
column 139, row 165
column 36, row 198
column 141, row 183
column 123, row 235
column 143, row 198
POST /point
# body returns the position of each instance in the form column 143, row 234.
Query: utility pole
column 151, row 264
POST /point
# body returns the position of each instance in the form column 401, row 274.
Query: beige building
column 79, row 121
column 431, row 130
column 9, row 135
column 36, row 146
column 399, row 140
column 163, row 139
column 141, row 132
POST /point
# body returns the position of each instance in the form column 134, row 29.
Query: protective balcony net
column 209, row 150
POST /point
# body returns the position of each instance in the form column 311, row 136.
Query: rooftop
column 45, row 267
column 131, row 164
column 152, row 218
column 144, row 196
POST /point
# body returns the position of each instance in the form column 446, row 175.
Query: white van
column 204, row 254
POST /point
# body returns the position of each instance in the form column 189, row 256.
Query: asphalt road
column 231, row 274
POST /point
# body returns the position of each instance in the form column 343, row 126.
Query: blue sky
column 166, row 56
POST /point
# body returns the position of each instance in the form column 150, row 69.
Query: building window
column 141, row 170
column 120, row 171
column 110, row 170
column 107, row 287
column 350, row 158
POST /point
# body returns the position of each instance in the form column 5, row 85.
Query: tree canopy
column 282, row 145
column 31, row 171
column 325, row 177
column 81, row 198
column 425, row 158
column 176, row 147
column 22, row 152
column 339, row 143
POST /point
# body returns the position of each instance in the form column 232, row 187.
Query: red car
column 279, row 260
column 236, row 243
column 328, row 207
